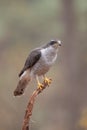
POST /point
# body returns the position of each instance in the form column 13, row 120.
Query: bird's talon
column 40, row 86
column 47, row 81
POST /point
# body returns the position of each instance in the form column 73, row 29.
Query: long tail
column 23, row 82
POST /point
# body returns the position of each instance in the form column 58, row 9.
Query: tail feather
column 22, row 84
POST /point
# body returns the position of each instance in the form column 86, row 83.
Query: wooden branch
column 30, row 105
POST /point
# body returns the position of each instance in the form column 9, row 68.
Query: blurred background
column 26, row 24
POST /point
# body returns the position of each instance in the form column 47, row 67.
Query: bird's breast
column 45, row 62
column 40, row 68
column 49, row 56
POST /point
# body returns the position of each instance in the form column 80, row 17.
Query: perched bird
column 37, row 64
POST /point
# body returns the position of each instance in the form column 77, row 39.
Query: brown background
column 26, row 24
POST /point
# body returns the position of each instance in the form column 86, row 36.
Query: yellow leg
column 47, row 80
column 39, row 84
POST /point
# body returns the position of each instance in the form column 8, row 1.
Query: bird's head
column 55, row 43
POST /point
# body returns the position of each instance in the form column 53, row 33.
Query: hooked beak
column 59, row 43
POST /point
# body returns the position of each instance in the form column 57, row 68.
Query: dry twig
column 30, row 105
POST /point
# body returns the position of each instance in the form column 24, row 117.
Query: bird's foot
column 47, row 81
column 40, row 86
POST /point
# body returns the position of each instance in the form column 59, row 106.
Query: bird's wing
column 31, row 60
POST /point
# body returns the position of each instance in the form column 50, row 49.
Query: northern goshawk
column 37, row 64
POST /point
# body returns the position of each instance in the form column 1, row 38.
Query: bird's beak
column 59, row 43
